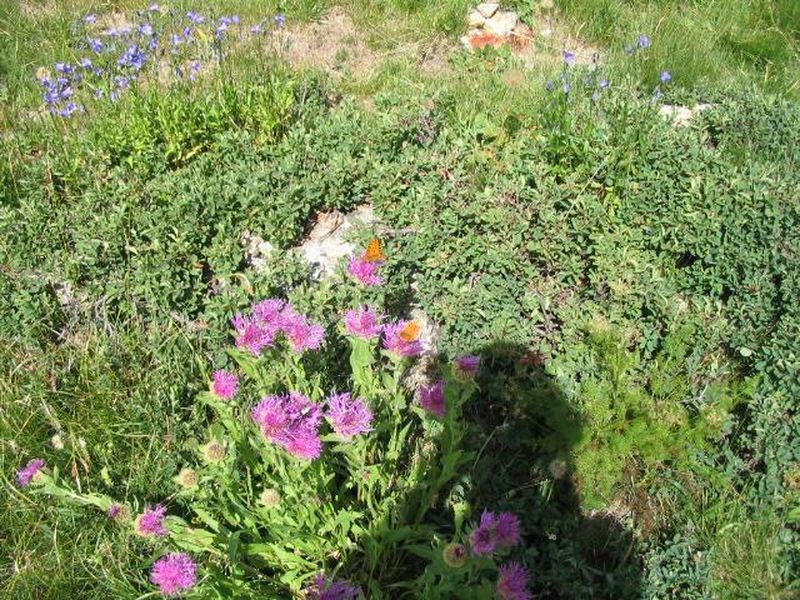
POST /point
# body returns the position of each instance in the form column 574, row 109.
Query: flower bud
column 188, row 478
column 214, row 451
column 270, row 497
column 455, row 555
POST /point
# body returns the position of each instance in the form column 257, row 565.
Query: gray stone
column 487, row 9
column 502, row 23
column 475, row 19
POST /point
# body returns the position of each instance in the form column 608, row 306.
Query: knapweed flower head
column 121, row 513
column 365, row 271
column 431, row 398
column 225, row 385
column 270, row 498
column 151, row 522
column 253, row 334
column 363, row 322
column 512, row 582
column 301, row 333
column 331, row 589
column 174, row 573
column 467, row 366
column 292, row 421
column 27, row 473
column 348, row 416
column 455, row 555
column 398, row 340
column 665, row 77
column 188, row 478
column 495, row 532
column 213, row 451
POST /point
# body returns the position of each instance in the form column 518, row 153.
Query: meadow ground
column 631, row 285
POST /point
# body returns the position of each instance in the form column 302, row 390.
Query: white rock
column 487, row 9
column 502, row 23
column 475, row 19
column 257, row 251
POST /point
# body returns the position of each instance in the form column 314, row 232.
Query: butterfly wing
column 374, row 251
column 410, row 333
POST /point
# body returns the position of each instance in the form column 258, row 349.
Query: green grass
column 527, row 222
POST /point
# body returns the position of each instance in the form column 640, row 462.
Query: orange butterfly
column 410, row 333
column 374, row 251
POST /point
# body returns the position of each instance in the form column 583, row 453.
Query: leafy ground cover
column 630, row 286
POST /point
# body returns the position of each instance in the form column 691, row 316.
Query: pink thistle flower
column 303, row 335
column 467, row 366
column 292, row 421
column 393, row 342
column 114, row 511
column 331, row 589
column 174, row 573
column 364, row 322
column 495, row 533
column 225, row 384
column 512, row 582
column 507, row 530
column 366, row 272
column 151, row 522
column 29, row 471
column 348, row 416
column 431, row 398
column 251, row 336
column 268, row 312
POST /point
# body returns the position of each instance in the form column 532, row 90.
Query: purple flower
column 65, row 68
column 90, row 19
column 174, row 573
column 643, row 41
column 154, row 8
column 146, row 29
column 331, row 589
column 280, row 20
column 27, row 473
column 257, row 28
column 364, row 322
column 251, row 336
column 70, row 108
column 176, row 39
column 365, row 271
column 495, row 532
column 268, row 312
column 225, row 384
column 665, row 77
column 86, row 63
column 195, row 18
column 604, row 84
column 133, row 57
column 393, row 340
column 348, row 416
column 507, row 530
column 301, row 333
column 96, row 45
column 113, row 511
column 431, row 398
column 194, row 69
column 291, row 421
column 467, row 366
column 151, row 522
column 569, row 57
column 512, row 582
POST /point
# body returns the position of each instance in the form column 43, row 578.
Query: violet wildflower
column 174, row 573
column 467, row 366
column 495, row 532
column 90, row 19
column 396, row 340
column 431, row 398
column 96, row 45
column 146, row 29
column 665, row 77
column 512, row 582
column 348, row 416
column 364, row 322
column 86, row 63
column 365, row 271
column 176, row 40
column 26, row 474
column 301, row 333
column 643, row 42
column 154, row 8
column 225, row 384
column 133, row 57
column 195, row 18
column 291, row 421
column 65, row 68
column 194, row 69
column 331, row 589
column 280, row 20
column 151, row 522
column 569, row 57
column 604, row 84
column 257, row 29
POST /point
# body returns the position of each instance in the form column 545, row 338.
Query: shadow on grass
column 521, row 431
